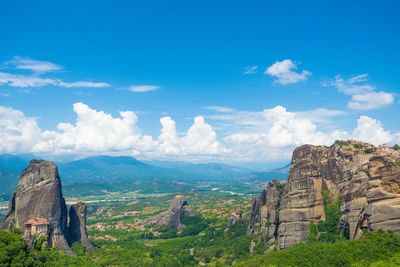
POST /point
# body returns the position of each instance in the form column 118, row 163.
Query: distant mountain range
column 107, row 173
column 203, row 170
column 106, row 168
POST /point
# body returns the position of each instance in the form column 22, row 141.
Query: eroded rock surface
column 264, row 216
column 38, row 207
column 172, row 217
column 367, row 183
column 77, row 225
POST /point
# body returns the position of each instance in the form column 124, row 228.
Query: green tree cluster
column 381, row 248
column 327, row 230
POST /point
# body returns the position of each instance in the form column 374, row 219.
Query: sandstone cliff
column 38, row 207
column 172, row 217
column 366, row 180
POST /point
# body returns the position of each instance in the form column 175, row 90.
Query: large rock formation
column 38, row 207
column 365, row 178
column 172, row 217
column 77, row 225
column 264, row 216
column 236, row 216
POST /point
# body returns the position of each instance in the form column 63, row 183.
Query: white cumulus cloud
column 248, row 136
column 168, row 139
column 277, row 132
column 17, row 132
column 96, row 132
column 286, row 73
column 200, row 139
column 371, row 131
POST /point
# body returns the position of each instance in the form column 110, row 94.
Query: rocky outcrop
column 38, row 199
column 77, row 225
column 366, row 180
column 264, row 215
column 313, row 170
column 236, row 216
column 172, row 217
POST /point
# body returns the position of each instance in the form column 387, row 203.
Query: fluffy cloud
column 371, row 131
column 143, row 88
column 17, row 132
column 372, row 100
column 363, row 96
column 285, row 72
column 200, row 139
column 168, row 139
column 248, row 136
column 96, row 132
column 276, row 132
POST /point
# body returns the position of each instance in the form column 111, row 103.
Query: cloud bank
column 250, row 136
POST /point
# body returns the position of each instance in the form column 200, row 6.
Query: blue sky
column 316, row 71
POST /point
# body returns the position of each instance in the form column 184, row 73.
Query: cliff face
column 38, row 207
column 172, row 217
column 368, row 186
column 264, row 216
column 313, row 170
column 77, row 225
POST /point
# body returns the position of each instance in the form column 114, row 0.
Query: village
column 112, row 222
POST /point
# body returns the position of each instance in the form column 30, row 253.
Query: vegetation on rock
column 381, row 248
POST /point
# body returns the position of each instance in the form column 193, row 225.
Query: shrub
column 369, row 150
